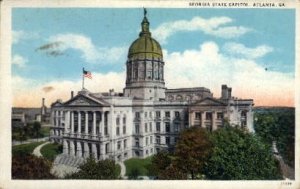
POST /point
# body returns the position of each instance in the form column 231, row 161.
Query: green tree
column 192, row 151
column 27, row 166
column 36, row 129
column 239, row 155
column 134, row 173
column 92, row 169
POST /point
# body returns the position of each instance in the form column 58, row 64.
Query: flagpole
column 82, row 78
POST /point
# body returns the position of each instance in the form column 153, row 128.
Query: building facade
column 146, row 117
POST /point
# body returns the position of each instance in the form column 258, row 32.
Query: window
column 137, row 129
column 147, row 141
column 147, row 152
column 197, row 115
column 124, row 129
column 157, row 139
column 146, row 127
column 118, row 121
column 105, row 130
column 137, row 142
column 149, row 74
column 167, row 127
column 176, row 126
column 168, row 140
column 167, row 114
column 177, row 114
column 151, row 140
column 150, row 114
column 106, row 148
column 146, row 114
column 157, row 114
column 119, row 145
column 208, row 116
column 220, row 115
column 157, row 126
column 150, row 126
column 125, row 144
column 124, row 120
column 118, row 130
column 137, row 114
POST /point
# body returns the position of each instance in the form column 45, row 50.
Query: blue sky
column 98, row 39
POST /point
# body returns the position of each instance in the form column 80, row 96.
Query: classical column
column 72, row 122
column 94, row 123
column 65, row 147
column 86, row 150
column 94, row 150
column 79, row 150
column 203, row 120
column 214, row 117
column 102, row 151
column 86, row 122
column 67, row 121
column 56, row 118
column 72, row 148
column 79, row 122
column 102, row 123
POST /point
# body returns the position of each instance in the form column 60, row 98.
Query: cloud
column 91, row 53
column 205, row 66
column 29, row 93
column 48, row 89
column 19, row 60
column 239, row 49
column 215, row 26
column 20, row 35
column 208, row 67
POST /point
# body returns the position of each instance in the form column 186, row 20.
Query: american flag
column 87, row 74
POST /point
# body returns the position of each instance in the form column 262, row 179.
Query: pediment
column 209, row 102
column 81, row 100
column 56, row 104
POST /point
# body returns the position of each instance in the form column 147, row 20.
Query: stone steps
column 64, row 159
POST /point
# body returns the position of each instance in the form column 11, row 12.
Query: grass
column 25, row 148
column 118, row 169
column 138, row 164
column 50, row 151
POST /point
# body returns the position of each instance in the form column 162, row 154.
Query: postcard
column 154, row 94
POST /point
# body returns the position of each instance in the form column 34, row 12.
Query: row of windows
column 119, row 144
column 208, row 115
column 157, row 128
column 118, row 120
column 158, row 114
column 149, row 140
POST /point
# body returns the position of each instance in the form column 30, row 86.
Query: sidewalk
column 37, row 150
column 14, row 143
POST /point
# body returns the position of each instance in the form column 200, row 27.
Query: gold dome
column 145, row 46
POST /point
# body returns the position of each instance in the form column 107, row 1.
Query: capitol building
column 143, row 119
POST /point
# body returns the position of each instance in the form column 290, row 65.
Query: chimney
column 229, row 92
column 43, row 109
column 111, row 92
column 72, row 94
column 224, row 92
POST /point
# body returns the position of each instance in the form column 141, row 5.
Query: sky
column 250, row 50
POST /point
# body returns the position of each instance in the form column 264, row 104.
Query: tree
column 92, row 169
column 239, row 155
column 36, row 129
column 192, row 151
column 27, row 166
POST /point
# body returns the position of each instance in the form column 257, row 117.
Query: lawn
column 25, row 148
column 138, row 164
column 51, row 150
column 118, row 169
